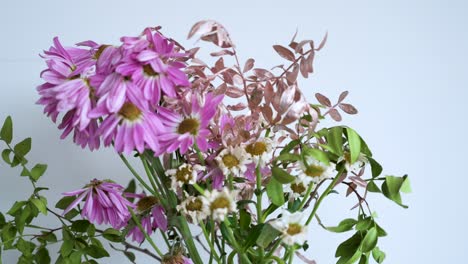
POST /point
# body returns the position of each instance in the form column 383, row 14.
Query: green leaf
column 376, row 168
column 64, row 202
column 16, row 206
column 252, row 238
column 8, row 235
column 2, row 220
column 37, row 171
column 316, row 154
column 275, row 192
column 130, row 256
column 348, row 251
column 267, row 235
column 112, row 235
column 6, row 156
column 25, row 247
column 288, row 157
column 42, row 256
column 392, row 186
column 343, row 226
column 364, row 224
column 378, row 255
column 67, row 247
column 40, row 203
column 23, row 148
column 370, row 240
column 372, row 187
column 21, row 216
column 25, row 172
column 364, row 260
column 80, row 226
column 6, row 133
column 96, row 252
column 290, row 146
column 335, row 140
column 131, row 188
column 406, row 186
column 354, row 141
column 244, row 219
column 282, row 176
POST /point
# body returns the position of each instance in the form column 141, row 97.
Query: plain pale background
column 404, row 63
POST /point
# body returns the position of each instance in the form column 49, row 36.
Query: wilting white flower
column 221, row 203
column 315, row 171
column 184, row 174
column 196, row 208
column 291, row 227
column 260, row 150
column 232, row 160
column 297, row 188
column 357, row 165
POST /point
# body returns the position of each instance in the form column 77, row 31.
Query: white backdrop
column 404, row 63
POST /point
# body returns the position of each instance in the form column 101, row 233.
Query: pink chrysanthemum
column 67, row 91
column 104, row 203
column 132, row 127
column 153, row 66
column 152, row 217
column 189, row 127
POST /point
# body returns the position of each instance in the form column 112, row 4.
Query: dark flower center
column 195, row 205
column 129, row 111
column 148, row 70
column 220, row 202
column 230, row 161
column 183, row 174
column 189, row 125
column 294, row 229
column 256, row 149
column 314, row 171
column 298, row 188
column 146, row 203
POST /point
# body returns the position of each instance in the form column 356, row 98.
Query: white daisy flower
column 232, row 160
column 291, row 227
column 315, row 171
column 196, row 208
column 221, row 203
column 184, row 174
column 297, row 188
column 357, row 165
column 260, row 150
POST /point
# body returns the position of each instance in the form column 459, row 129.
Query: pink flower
column 153, row 66
column 67, row 91
column 190, row 126
column 152, row 216
column 104, row 203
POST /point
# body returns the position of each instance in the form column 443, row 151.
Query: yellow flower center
column 294, row 229
column 230, row 161
column 219, row 203
column 183, row 174
column 146, row 203
column 99, row 51
column 256, row 149
column 195, row 205
column 148, row 70
column 314, row 171
column 189, row 125
column 298, row 187
column 130, row 112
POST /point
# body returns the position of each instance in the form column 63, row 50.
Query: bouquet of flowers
column 236, row 165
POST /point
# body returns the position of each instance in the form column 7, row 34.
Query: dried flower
column 152, row 216
column 221, row 203
column 184, row 174
column 196, row 208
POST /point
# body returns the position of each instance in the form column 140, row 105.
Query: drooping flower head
column 189, row 127
column 221, row 203
column 152, row 216
column 291, row 227
column 196, row 208
column 68, row 91
column 103, row 203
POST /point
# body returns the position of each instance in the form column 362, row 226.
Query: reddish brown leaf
column 351, row 188
column 221, row 53
column 348, row 108
column 323, row 99
column 249, row 64
column 284, row 52
column 324, row 40
column 298, row 48
column 262, row 73
column 292, row 76
column 342, row 96
column 237, row 107
column 335, row 115
column 234, row 92
column 303, row 68
column 268, row 93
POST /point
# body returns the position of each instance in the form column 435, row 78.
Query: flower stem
column 306, row 196
column 324, row 194
column 137, row 176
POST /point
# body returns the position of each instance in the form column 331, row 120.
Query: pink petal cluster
column 103, row 203
column 151, row 219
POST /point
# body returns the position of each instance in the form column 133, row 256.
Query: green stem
column 199, row 188
column 258, row 193
column 150, row 176
column 187, row 235
column 324, row 194
column 242, row 256
column 306, row 196
column 137, row 176
column 209, row 241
